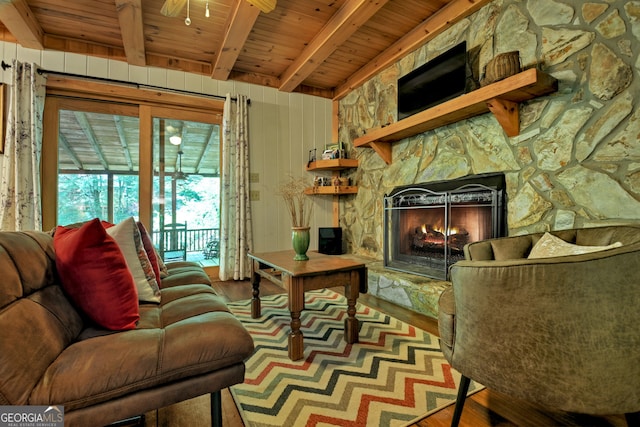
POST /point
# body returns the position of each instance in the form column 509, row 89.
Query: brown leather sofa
column 560, row 331
column 184, row 347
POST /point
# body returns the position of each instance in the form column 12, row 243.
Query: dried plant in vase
column 297, row 202
column 300, row 208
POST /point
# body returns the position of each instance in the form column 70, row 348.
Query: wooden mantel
column 501, row 98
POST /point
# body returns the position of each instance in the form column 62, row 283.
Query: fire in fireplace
column 427, row 225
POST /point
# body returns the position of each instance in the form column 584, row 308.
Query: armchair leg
column 462, row 396
column 216, row 409
column 633, row 419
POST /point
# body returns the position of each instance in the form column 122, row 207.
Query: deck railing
column 196, row 239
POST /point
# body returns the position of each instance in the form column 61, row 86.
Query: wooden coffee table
column 297, row 277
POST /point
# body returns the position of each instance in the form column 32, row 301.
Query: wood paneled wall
column 283, row 128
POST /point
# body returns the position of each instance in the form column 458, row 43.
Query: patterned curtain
column 20, row 199
column 235, row 211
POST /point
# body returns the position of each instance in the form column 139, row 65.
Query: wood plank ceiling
column 320, row 47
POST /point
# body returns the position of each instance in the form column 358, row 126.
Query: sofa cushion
column 94, row 274
column 184, row 273
column 150, row 250
column 190, row 332
column 550, row 246
column 127, row 236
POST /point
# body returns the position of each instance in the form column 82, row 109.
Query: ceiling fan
column 172, row 8
column 179, row 175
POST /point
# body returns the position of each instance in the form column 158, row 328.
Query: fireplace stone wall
column 576, row 162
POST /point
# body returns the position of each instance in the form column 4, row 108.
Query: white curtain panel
column 235, row 212
column 20, row 198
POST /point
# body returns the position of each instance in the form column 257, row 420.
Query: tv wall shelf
column 335, row 166
column 501, row 98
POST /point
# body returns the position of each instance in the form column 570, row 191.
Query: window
column 124, row 156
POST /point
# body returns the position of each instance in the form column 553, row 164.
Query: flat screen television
column 441, row 79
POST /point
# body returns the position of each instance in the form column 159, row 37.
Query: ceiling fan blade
column 172, row 8
column 264, row 5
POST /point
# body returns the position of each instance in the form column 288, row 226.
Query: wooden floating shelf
column 332, row 189
column 333, row 164
column 501, row 98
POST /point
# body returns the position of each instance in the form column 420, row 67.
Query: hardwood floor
column 482, row 409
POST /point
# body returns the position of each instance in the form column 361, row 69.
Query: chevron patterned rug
column 395, row 375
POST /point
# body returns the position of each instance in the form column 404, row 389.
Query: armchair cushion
column 551, row 246
column 504, row 249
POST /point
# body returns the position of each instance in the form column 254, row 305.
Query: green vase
column 300, row 238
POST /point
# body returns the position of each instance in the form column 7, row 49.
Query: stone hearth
column 417, row 293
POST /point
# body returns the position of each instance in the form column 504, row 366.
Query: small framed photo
column 329, row 154
column 334, row 151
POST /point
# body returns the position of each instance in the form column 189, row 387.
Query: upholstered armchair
column 560, row 331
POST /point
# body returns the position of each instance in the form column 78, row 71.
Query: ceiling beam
column 264, row 5
column 444, row 18
column 122, row 136
column 84, row 124
column 131, row 29
column 237, row 29
column 352, row 15
column 171, row 8
column 21, row 23
column 210, row 142
column 62, row 141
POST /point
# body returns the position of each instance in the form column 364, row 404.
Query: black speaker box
column 330, row 240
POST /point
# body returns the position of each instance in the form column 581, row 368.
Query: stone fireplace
column 427, row 225
column 575, row 163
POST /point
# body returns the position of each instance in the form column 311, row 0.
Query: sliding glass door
column 186, row 188
column 160, row 165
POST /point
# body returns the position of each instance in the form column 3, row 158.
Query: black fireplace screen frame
column 475, row 191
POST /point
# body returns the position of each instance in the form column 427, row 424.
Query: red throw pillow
column 151, row 252
column 94, row 274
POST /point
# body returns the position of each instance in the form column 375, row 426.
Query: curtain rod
column 125, row 83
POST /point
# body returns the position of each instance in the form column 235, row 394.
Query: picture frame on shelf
column 334, row 151
column 312, row 156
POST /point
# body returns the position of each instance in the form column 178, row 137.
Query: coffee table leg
column 255, row 300
column 296, row 305
column 352, row 291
